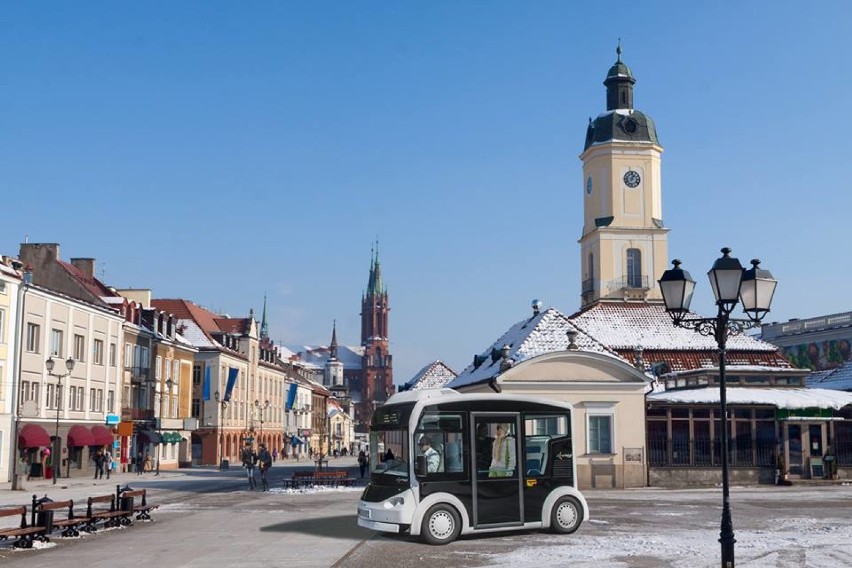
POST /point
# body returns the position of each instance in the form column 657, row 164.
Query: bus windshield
column 389, row 456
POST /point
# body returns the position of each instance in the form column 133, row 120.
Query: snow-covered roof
column 194, row 334
column 9, row 271
column 835, row 379
column 435, row 375
column 627, row 325
column 350, row 356
column 778, row 397
column 540, row 334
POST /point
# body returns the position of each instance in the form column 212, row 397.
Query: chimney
column 505, row 363
column 40, row 256
column 572, row 337
column 85, row 265
column 640, row 363
column 536, row 307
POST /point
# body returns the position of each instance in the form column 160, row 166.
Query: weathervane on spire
column 618, row 50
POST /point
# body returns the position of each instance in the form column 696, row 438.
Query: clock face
column 632, row 179
column 589, row 185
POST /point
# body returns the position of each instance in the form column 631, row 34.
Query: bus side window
column 446, row 433
column 535, row 457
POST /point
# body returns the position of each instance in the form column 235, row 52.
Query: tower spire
column 333, row 347
column 374, row 285
column 264, row 328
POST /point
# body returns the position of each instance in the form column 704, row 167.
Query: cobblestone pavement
column 208, row 518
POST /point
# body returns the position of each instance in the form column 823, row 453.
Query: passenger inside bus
column 502, row 453
column 433, row 458
column 483, row 449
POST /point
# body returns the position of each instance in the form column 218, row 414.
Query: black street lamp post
column 223, row 404
column 57, row 445
column 731, row 284
column 169, row 384
column 261, row 407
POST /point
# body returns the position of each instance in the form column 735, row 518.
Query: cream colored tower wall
column 606, row 165
column 636, row 214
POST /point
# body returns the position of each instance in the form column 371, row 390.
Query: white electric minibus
column 444, row 463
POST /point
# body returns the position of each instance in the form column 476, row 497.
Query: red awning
column 80, row 436
column 33, row 436
column 102, row 436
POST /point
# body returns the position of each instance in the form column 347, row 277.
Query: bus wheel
column 566, row 516
column 441, row 525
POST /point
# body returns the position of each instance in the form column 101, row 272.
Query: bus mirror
column 421, row 466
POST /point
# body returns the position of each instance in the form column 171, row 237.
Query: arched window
column 634, row 268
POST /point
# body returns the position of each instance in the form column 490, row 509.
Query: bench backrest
column 136, row 493
column 330, row 474
column 298, row 474
column 55, row 505
column 101, row 499
column 22, row 510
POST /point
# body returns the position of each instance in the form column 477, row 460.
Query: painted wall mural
column 820, row 355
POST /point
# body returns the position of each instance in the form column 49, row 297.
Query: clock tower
column 624, row 245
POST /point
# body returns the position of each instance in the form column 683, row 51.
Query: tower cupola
column 619, row 85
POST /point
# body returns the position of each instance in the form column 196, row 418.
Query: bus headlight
column 394, row 502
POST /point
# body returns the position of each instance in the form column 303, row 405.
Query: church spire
column 333, row 347
column 619, row 84
column 374, row 285
column 264, row 328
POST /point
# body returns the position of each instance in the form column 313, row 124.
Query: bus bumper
column 377, row 526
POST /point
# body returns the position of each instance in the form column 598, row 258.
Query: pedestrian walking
column 107, row 461
column 99, row 464
column 264, row 459
column 147, row 463
column 362, row 462
column 140, row 462
column 274, row 455
column 249, row 459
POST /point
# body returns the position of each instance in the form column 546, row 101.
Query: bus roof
column 437, row 396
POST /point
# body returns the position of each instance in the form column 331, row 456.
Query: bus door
column 496, row 480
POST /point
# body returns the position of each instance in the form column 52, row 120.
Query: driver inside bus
column 433, row 458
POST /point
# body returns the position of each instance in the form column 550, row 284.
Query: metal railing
column 706, row 452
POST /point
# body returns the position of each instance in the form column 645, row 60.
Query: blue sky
column 218, row 151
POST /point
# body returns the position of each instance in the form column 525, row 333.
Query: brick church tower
column 377, row 362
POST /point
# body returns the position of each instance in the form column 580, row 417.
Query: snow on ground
column 820, row 546
column 680, row 529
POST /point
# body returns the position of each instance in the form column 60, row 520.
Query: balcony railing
column 139, row 374
column 634, row 282
column 588, row 285
column 141, row 414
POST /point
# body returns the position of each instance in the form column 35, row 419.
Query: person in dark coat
column 264, row 459
column 249, row 459
column 362, row 462
column 99, row 464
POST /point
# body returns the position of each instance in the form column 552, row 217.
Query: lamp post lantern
column 223, row 404
column 57, row 444
column 731, row 284
column 261, row 407
column 169, row 384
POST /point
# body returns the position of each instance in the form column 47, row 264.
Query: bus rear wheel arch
column 441, row 524
column 566, row 515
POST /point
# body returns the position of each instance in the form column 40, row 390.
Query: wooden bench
column 142, row 510
column 24, row 533
column 324, row 478
column 111, row 517
column 69, row 524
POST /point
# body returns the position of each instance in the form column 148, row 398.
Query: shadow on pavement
column 340, row 527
